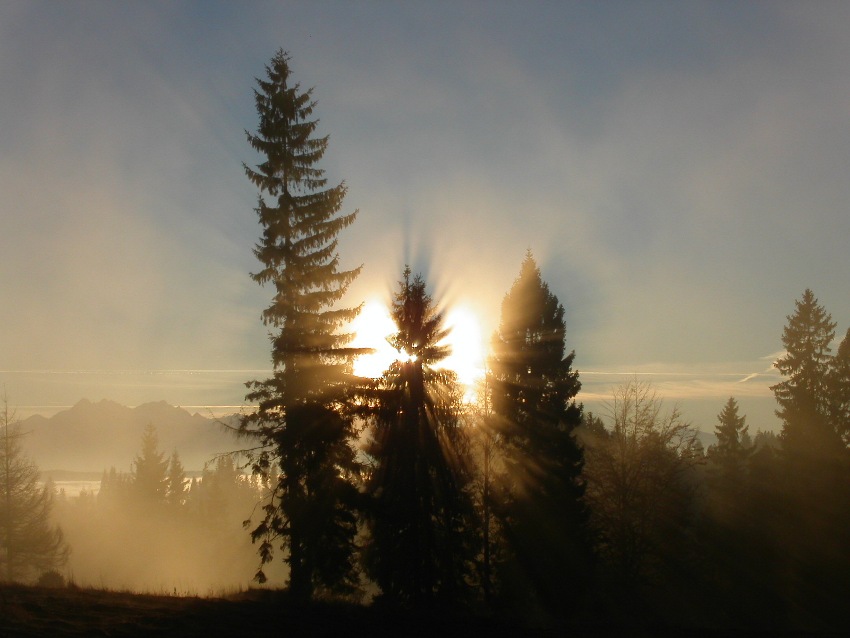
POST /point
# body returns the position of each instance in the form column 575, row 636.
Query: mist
column 662, row 190
column 620, row 202
column 156, row 530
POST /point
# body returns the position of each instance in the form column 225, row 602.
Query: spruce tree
column 816, row 468
column 485, row 450
column 301, row 419
column 533, row 389
column 420, row 521
column 803, row 397
column 839, row 389
column 176, row 485
column 731, row 451
column 727, row 529
column 150, row 469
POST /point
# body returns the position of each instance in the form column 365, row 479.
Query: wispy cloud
column 749, row 377
column 656, row 185
column 700, row 390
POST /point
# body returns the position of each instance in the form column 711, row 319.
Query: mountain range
column 91, row 437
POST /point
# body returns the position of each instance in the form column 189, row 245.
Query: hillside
column 36, row 612
column 91, row 437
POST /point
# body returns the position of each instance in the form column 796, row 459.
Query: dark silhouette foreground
column 33, row 611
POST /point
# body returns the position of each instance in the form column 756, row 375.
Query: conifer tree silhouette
column 533, row 389
column 421, row 528
column 301, row 420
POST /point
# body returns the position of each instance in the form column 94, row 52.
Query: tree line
column 149, row 529
column 524, row 501
column 30, row 544
column 156, row 529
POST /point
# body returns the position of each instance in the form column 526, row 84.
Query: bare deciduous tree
column 29, row 543
column 637, row 480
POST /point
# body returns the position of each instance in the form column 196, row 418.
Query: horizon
column 700, row 397
column 372, row 267
column 679, row 193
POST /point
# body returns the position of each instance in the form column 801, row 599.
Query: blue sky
column 678, row 169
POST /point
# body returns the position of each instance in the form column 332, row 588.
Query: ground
column 71, row 611
column 34, row 611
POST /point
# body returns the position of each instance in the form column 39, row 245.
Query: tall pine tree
column 301, row 419
column 803, row 397
column 839, row 389
column 533, row 389
column 176, row 481
column 150, row 469
column 421, row 547
column 815, row 537
column 730, row 535
column 731, row 451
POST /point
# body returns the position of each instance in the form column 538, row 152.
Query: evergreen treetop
column 302, row 421
column 300, row 223
column 420, row 547
column 839, row 389
column 807, row 337
column 150, row 468
column 731, row 431
column 176, row 481
column 533, row 384
column 804, row 396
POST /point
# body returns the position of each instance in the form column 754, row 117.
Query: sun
column 467, row 347
column 373, row 326
column 371, row 329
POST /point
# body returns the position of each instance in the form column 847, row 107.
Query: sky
column 678, row 169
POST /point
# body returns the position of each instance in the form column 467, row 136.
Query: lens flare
column 374, row 325
column 371, row 328
column 467, row 348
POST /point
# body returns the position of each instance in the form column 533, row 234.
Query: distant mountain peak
column 90, row 436
column 83, row 404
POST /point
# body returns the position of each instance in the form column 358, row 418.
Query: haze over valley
column 92, row 437
column 509, row 317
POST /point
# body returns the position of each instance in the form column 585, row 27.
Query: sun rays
column 373, row 326
column 466, row 358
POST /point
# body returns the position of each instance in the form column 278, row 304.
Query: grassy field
column 34, row 611
column 71, row 611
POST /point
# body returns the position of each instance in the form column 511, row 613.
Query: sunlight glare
column 374, row 325
column 371, row 328
column 467, row 348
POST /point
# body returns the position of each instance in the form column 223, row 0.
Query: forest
column 399, row 493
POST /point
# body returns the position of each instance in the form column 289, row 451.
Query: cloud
column 123, row 229
column 699, row 390
column 773, row 358
column 678, row 196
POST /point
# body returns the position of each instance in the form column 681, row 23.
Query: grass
column 27, row 611
column 73, row 611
